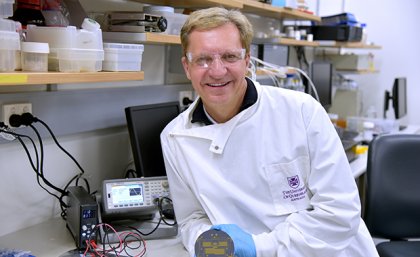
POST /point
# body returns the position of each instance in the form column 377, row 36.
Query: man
column 262, row 164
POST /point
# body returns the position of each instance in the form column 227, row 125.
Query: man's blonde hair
column 206, row 19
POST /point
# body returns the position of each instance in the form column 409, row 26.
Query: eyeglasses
column 205, row 60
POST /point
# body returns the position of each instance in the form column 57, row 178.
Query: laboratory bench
column 52, row 239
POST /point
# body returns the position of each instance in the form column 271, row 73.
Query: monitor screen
column 145, row 123
column 399, row 97
column 321, row 76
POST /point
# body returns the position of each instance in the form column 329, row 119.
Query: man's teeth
column 217, row 84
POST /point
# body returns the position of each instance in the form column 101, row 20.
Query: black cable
column 41, row 165
column 35, row 168
column 160, row 208
column 130, row 173
column 149, row 233
column 27, row 119
column 59, row 146
column 123, row 244
column 19, row 137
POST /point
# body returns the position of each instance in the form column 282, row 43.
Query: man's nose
column 217, row 66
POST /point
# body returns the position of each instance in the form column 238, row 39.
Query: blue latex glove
column 243, row 243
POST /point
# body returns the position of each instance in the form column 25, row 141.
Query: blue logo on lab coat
column 293, row 181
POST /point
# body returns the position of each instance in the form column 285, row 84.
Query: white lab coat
column 277, row 170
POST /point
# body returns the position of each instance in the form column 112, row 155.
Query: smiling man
column 262, row 164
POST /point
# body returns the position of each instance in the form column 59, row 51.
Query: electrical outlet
column 182, row 95
column 18, row 108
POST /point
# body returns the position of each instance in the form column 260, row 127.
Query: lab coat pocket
column 288, row 185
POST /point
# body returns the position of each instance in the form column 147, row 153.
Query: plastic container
column 122, row 57
column 6, row 8
column 34, row 56
column 75, row 60
column 71, row 49
column 7, row 25
column 66, row 37
column 175, row 20
column 9, row 45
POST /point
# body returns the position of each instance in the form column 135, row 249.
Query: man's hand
column 243, row 243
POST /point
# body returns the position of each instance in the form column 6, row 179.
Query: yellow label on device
column 13, row 78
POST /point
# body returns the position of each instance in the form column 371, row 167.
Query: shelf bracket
column 52, row 87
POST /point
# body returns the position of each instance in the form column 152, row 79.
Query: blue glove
column 243, row 243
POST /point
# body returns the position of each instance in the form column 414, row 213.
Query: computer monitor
column 145, row 123
column 398, row 98
column 321, row 76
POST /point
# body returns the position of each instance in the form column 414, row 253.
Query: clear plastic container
column 6, row 8
column 89, row 37
column 9, row 45
column 7, row 25
column 122, row 57
column 34, row 56
column 75, row 60
column 71, row 49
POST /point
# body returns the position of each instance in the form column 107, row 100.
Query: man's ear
column 247, row 59
column 186, row 67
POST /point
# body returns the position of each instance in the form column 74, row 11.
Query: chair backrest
column 392, row 207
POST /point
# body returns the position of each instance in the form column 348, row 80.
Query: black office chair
column 392, row 204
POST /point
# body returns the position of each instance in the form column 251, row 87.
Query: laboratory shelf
column 284, row 41
column 360, row 72
column 147, row 38
column 249, row 6
column 294, row 42
column 37, row 78
column 359, row 45
column 268, row 10
column 195, row 3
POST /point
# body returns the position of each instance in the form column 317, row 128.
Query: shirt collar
column 251, row 96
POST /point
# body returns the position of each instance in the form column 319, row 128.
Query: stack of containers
column 71, row 49
column 122, row 57
column 9, row 38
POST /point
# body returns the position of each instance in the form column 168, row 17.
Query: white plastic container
column 56, row 37
column 122, row 57
column 9, row 45
column 75, row 60
column 71, row 49
column 7, row 25
column 34, row 56
column 175, row 20
column 6, row 8
column 67, row 37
